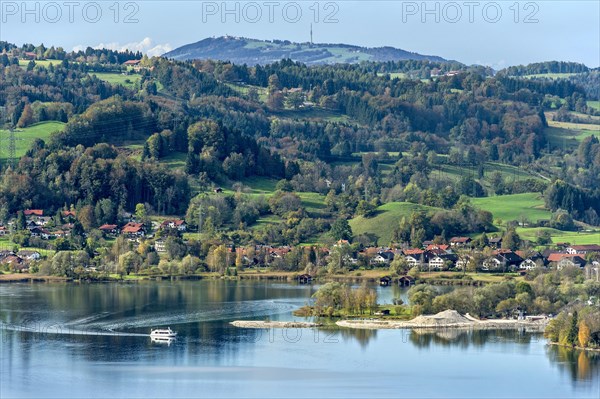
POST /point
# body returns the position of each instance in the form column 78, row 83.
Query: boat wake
column 105, row 324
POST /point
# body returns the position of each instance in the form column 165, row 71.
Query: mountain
column 241, row 50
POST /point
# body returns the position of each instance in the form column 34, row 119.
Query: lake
column 91, row 340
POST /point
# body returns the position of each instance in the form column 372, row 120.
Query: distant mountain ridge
column 241, row 50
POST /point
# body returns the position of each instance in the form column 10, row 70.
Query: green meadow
column 387, row 218
column 128, row 81
column 25, row 136
column 514, row 207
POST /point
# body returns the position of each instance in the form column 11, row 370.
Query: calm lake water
column 68, row 340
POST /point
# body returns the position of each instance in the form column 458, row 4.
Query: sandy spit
column 445, row 319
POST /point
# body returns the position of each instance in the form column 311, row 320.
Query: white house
column 29, row 255
column 159, row 246
column 414, row 260
column 528, row 264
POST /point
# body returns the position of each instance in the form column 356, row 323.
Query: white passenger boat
column 163, row 333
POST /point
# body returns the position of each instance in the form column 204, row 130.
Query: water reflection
column 580, row 365
column 90, row 329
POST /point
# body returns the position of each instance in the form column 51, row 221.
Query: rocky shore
column 445, row 319
column 273, row 324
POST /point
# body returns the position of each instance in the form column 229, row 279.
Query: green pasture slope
column 387, row 218
column 25, row 136
column 514, row 207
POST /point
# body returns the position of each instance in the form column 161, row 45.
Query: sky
column 495, row 33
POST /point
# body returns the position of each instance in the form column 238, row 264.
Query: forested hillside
column 286, row 153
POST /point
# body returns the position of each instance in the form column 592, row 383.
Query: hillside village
column 458, row 254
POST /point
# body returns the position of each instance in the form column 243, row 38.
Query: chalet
column 278, row 253
column 37, row 231
column 495, row 242
column 178, row 224
column 33, row 212
column 583, row 249
column 11, row 260
column 341, row 243
column 531, row 260
column 218, row 190
column 556, row 257
column 415, row 260
column 61, row 233
column 440, row 261
column 385, row 281
column 570, row 261
column 68, row 214
column 3, row 231
column 159, row 246
column 413, row 252
column 132, row 63
column 460, row 241
column 384, row 257
column 502, row 260
column 530, row 264
column 29, row 255
column 133, row 229
column 29, row 55
column 111, row 229
column 437, row 247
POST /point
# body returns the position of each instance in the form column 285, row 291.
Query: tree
column 573, row 334
column 21, row 222
column 141, row 214
column 584, row 334
column 26, row 118
column 341, row 230
column 295, row 99
column 217, row 259
column 234, row 166
column 399, row 266
column 507, row 306
column 511, row 240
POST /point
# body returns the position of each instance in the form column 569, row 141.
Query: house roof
column 68, row 213
column 414, row 251
column 176, row 222
column 27, row 253
column 108, row 227
column 132, row 62
column 460, row 239
column 438, row 246
column 132, row 227
column 35, row 212
column 557, row 256
column 588, row 247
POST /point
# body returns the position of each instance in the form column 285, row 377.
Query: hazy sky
column 496, row 33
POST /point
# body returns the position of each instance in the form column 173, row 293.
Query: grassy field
column 549, row 75
column 40, row 63
column 388, row 217
column 25, row 136
column 567, row 134
column 572, row 237
column 594, row 104
column 127, row 81
column 175, row 160
column 514, row 207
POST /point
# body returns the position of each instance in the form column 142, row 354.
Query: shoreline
column 448, row 319
column 574, row 347
column 274, row 324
